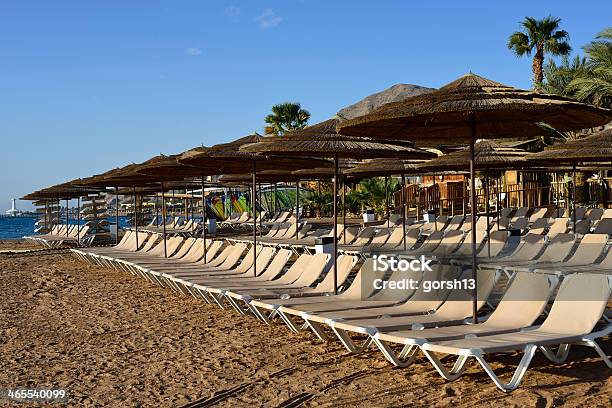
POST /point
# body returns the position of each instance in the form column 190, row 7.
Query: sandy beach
column 112, row 339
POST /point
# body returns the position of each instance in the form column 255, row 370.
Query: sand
column 112, row 339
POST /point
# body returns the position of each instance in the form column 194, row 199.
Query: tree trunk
column 537, row 68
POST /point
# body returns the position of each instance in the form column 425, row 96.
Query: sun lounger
column 526, row 292
column 579, row 305
column 456, row 308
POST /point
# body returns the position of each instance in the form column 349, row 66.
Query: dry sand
column 113, row 340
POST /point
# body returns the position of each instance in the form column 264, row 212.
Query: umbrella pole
column 344, row 206
column 135, row 215
column 473, row 213
column 163, row 198
column 498, row 201
column 117, row 215
column 404, row 210
column 487, row 211
column 574, row 195
column 433, row 206
column 260, row 209
column 67, row 217
column 204, row 220
column 335, row 255
column 78, row 221
column 297, row 207
column 387, row 199
column 192, row 203
column 253, row 203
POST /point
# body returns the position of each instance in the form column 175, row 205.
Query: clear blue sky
column 90, row 85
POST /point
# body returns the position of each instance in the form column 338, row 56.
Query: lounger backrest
column 296, row 269
column 580, row 213
column 604, row 226
column 395, row 276
column 529, row 247
column 589, row 250
column 273, row 230
column 350, row 233
column 264, row 256
column 150, row 242
column 451, row 240
column 395, row 238
column 432, row 241
column 427, row 296
column 455, row 222
column 247, row 260
column 222, row 256
column 607, row 213
column 345, row 266
column 304, row 230
column 283, row 216
column 595, row 214
column 382, row 235
column 520, row 224
column 314, row 270
column 537, row 214
column 442, row 220
column 523, row 301
column 282, row 229
column 539, row 226
column 212, row 249
column 184, row 249
column 234, row 256
column 559, row 226
column 364, row 236
column 499, row 239
column 582, row 227
column 276, row 266
column 558, row 248
column 521, row 212
column 458, row 305
column 173, row 245
column 579, row 304
column 505, row 212
column 467, row 223
column 124, row 239
column 395, row 219
column 363, row 279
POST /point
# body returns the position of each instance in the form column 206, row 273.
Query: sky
column 91, row 85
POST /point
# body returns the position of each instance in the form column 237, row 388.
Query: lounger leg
column 518, row 374
column 399, row 360
column 216, row 300
column 589, row 342
column 451, row 374
column 290, row 324
column 317, row 330
column 348, row 343
column 557, row 357
column 237, row 306
column 259, row 314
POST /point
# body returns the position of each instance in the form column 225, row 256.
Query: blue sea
column 17, row 227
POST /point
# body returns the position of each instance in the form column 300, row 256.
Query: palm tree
column 540, row 37
column 557, row 78
column 594, row 84
column 286, row 117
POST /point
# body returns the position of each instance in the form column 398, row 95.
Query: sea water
column 17, row 227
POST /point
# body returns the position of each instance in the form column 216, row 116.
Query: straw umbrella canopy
column 471, row 108
column 323, row 140
column 226, row 158
column 596, row 148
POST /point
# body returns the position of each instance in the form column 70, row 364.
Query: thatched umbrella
column 383, row 167
column 471, row 108
column 487, row 155
column 228, row 159
column 322, row 139
column 591, row 149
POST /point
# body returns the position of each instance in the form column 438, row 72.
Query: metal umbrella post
column 204, row 218
column 163, row 198
column 253, row 203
